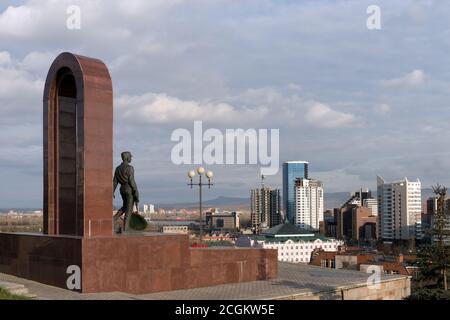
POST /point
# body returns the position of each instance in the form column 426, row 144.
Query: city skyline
column 353, row 102
column 339, row 199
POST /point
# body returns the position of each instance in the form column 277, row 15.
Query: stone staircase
column 16, row 288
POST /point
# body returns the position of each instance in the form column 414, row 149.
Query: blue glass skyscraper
column 291, row 171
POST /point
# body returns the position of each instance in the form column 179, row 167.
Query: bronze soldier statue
column 124, row 175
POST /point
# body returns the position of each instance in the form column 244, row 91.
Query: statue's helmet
column 126, row 156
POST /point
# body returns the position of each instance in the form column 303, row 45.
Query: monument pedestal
column 137, row 263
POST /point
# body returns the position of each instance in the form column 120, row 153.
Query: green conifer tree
column 434, row 259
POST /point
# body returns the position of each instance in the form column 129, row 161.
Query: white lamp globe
column 209, row 174
column 201, row 170
column 191, row 174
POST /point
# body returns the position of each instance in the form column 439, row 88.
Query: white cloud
column 38, row 62
column 322, row 116
column 382, row 109
column 294, row 87
column 137, row 7
column 414, row 78
column 19, row 21
column 429, row 129
column 20, row 92
column 15, row 82
column 5, row 58
column 161, row 108
column 46, row 19
column 419, row 12
column 266, row 64
column 255, row 107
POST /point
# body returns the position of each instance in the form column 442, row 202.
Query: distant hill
column 226, row 201
column 217, row 202
column 335, row 199
column 331, row 200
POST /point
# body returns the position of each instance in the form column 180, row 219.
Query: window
column 219, row 223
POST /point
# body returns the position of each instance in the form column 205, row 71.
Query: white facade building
column 399, row 209
column 295, row 247
column 308, row 203
column 149, row 208
column 300, row 251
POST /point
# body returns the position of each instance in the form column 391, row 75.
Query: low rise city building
column 356, row 223
column 223, row 222
column 363, row 261
column 293, row 244
column 328, row 226
column 429, row 218
column 175, row 229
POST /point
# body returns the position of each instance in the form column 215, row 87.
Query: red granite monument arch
column 78, row 115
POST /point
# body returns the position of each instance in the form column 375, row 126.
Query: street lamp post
column 200, row 184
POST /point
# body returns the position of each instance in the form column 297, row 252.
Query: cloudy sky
column 353, row 102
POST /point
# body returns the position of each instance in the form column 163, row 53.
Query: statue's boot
column 126, row 222
column 117, row 219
